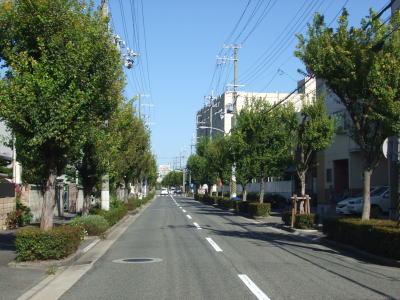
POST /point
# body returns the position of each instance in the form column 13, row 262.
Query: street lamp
column 212, row 128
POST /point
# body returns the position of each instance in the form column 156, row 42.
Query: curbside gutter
column 82, row 249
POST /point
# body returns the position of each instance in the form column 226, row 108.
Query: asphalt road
column 206, row 253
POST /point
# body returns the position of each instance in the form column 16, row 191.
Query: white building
column 162, row 171
column 215, row 118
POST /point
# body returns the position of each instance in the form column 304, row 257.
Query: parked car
column 172, row 190
column 380, row 202
column 164, row 191
column 342, row 207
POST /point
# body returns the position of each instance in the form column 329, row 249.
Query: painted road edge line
column 197, row 225
column 214, row 245
column 253, row 287
column 87, row 248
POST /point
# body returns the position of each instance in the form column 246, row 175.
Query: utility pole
column 211, row 99
column 140, row 103
column 235, row 85
column 105, row 184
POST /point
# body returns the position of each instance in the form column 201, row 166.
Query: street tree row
column 266, row 140
column 61, row 95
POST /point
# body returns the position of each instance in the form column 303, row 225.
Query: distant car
column 172, row 190
column 164, row 191
column 380, row 202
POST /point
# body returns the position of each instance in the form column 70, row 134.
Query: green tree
column 173, row 178
column 314, row 133
column 93, row 163
column 347, row 60
column 217, row 154
column 201, row 166
column 132, row 160
column 241, row 155
column 62, row 73
column 269, row 133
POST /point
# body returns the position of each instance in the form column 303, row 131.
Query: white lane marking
column 197, row 225
column 189, row 217
column 87, row 248
column 253, row 287
column 214, row 245
column 180, row 207
column 183, row 210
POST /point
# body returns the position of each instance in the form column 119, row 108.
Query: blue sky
column 179, row 40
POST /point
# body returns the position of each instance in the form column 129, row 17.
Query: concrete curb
column 83, row 247
column 332, row 243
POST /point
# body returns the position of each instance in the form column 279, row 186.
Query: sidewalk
column 317, row 236
column 15, row 281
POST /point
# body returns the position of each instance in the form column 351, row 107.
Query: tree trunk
column 262, row 190
column 46, row 221
column 302, row 177
column 245, row 187
column 366, row 194
column 87, row 192
column 126, row 191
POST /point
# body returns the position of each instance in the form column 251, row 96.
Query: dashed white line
column 189, row 217
column 253, row 287
column 197, row 225
column 214, row 245
column 183, row 210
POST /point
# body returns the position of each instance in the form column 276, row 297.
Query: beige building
column 339, row 170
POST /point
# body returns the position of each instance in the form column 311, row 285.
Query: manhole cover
column 136, row 260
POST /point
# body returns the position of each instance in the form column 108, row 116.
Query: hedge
column 380, row 237
column 259, row 209
column 302, row 221
column 35, row 244
column 114, row 214
column 93, row 224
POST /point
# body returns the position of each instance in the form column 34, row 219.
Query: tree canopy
column 62, row 74
column 362, row 67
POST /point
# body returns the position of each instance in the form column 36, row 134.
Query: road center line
column 189, row 217
column 214, row 245
column 253, row 287
column 197, row 225
column 183, row 210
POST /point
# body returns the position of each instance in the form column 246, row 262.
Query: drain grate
column 136, row 260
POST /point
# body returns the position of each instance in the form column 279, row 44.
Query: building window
column 328, row 175
column 341, row 121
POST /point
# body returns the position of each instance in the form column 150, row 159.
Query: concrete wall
column 7, row 204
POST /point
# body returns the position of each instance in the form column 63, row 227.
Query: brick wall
column 7, row 205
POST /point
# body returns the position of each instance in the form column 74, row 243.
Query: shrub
column 259, row 209
column 235, row 205
column 381, row 237
column 302, row 221
column 227, row 203
column 93, row 224
column 244, row 207
column 114, row 214
column 252, row 196
column 35, row 244
column 131, row 205
column 21, row 216
column 276, row 200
